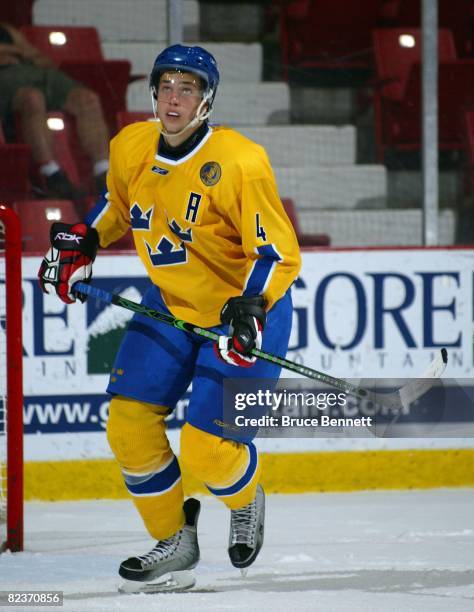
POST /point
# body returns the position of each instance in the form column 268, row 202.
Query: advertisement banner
column 357, row 315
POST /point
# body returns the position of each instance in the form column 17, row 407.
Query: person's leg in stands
column 92, row 129
column 30, row 104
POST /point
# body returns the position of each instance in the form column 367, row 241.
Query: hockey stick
column 395, row 400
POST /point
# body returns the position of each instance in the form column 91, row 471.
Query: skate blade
column 243, row 572
column 172, row 582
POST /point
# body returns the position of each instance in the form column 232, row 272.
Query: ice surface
column 364, row 551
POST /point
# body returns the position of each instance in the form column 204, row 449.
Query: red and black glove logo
column 73, row 249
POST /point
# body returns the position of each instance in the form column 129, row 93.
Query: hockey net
column 11, row 384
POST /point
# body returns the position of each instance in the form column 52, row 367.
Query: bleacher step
column 236, row 61
column 313, row 188
column 305, row 145
column 118, row 20
column 236, row 104
column 321, row 105
column 405, row 188
column 231, row 21
column 395, row 227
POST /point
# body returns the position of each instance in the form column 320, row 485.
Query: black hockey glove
column 246, row 318
column 73, row 249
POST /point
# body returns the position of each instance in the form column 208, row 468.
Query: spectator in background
column 31, row 86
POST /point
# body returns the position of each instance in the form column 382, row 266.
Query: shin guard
column 136, row 433
column 229, row 469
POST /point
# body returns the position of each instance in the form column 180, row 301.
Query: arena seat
column 66, row 149
column 15, row 162
column 15, row 165
column 77, row 51
column 455, row 96
column 457, row 17
column 469, row 148
column 65, row 43
column 36, row 218
column 16, row 13
column 127, row 117
column 397, row 54
column 397, row 49
column 469, row 132
column 402, row 129
column 304, row 240
column 327, row 35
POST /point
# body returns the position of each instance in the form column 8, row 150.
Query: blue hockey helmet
column 188, row 59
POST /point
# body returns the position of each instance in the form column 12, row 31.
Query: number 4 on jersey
column 260, row 231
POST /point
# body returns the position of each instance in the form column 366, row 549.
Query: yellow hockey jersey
column 208, row 226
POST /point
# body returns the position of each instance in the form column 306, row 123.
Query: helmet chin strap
column 200, row 116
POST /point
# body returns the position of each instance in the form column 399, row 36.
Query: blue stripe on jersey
column 242, row 482
column 157, row 483
column 262, row 270
column 97, row 209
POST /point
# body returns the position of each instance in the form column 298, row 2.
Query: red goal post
column 11, row 383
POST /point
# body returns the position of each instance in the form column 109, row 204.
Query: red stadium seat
column 15, row 162
column 80, row 56
column 455, row 97
column 394, row 57
column 15, row 168
column 457, row 17
column 469, row 133
column 126, row 117
column 397, row 93
column 65, row 43
column 67, row 149
column 304, row 240
column 18, row 13
column 36, row 219
column 469, row 143
column 326, row 35
column 466, row 209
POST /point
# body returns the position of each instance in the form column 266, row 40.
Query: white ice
column 366, row 551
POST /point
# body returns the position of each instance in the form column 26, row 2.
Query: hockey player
column 212, row 233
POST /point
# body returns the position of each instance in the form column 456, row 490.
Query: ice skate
column 166, row 567
column 246, row 532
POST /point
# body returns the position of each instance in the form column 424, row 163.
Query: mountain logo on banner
column 105, row 333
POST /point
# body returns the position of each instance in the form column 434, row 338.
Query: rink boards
column 359, row 314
